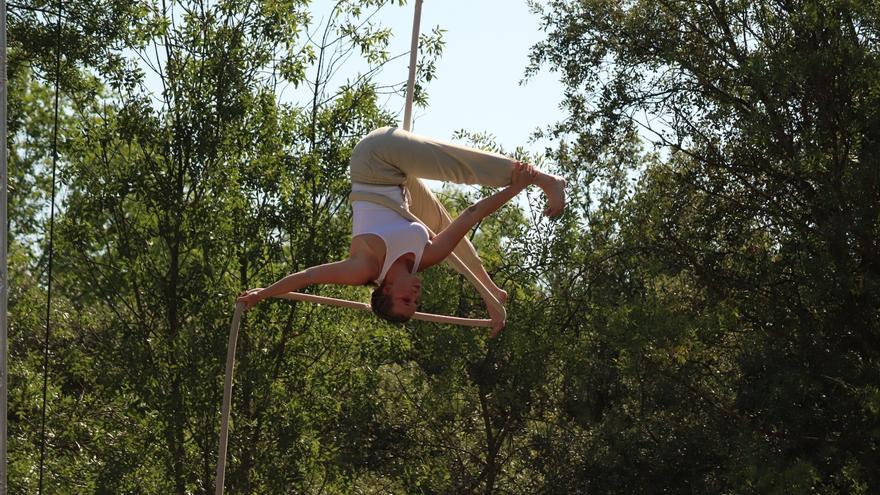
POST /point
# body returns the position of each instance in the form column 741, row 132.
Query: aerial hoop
column 330, row 301
column 490, row 298
column 227, row 399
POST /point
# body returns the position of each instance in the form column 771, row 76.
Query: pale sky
column 477, row 86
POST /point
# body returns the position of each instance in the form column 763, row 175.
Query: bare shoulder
column 366, row 254
column 432, row 255
column 362, row 267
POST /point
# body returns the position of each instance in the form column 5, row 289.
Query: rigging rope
column 51, row 246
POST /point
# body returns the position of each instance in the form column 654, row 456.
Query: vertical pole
column 413, row 56
column 4, row 273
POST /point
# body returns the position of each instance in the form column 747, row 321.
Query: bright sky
column 478, row 76
column 477, row 86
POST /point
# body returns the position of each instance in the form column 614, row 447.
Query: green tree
column 88, row 34
column 187, row 180
column 733, row 314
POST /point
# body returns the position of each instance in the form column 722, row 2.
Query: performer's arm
column 439, row 248
column 347, row 272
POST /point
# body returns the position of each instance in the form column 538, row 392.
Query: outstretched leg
column 389, row 155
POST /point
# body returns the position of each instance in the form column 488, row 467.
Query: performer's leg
column 425, row 205
column 389, row 155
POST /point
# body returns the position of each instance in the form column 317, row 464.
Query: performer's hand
column 498, row 321
column 250, row 298
column 523, row 176
column 497, row 327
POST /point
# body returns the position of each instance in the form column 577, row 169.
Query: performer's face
column 406, row 293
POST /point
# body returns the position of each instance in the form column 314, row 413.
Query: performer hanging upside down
column 388, row 249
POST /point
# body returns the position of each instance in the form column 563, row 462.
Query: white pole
column 4, row 273
column 413, row 55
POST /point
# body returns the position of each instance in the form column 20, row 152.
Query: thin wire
column 51, row 246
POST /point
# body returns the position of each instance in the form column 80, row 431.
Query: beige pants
column 392, row 156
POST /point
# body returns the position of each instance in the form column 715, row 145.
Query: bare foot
column 498, row 323
column 497, row 315
column 554, row 189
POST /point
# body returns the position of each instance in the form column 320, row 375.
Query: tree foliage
column 740, row 290
column 702, row 319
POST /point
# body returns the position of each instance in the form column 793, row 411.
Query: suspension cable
column 51, row 245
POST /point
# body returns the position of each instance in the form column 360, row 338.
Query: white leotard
column 400, row 235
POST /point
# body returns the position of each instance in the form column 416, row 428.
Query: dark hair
column 382, row 304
